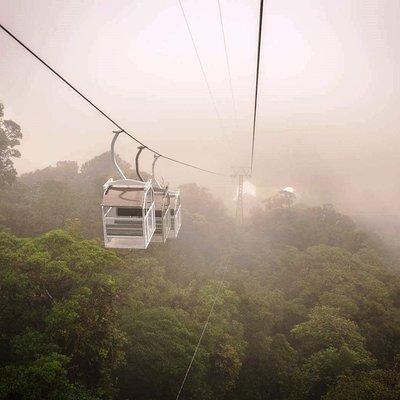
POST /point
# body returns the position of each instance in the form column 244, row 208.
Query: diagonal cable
column 221, row 284
column 104, row 114
column 227, row 61
column 256, row 86
column 214, row 102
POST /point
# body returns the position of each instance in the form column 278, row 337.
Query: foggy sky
column 329, row 90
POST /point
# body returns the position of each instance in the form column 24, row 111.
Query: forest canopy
column 309, row 308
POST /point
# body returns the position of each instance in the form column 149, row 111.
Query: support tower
column 240, row 173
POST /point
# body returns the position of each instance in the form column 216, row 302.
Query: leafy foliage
column 10, row 135
column 59, row 317
column 309, row 308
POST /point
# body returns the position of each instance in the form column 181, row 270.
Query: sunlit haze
column 248, row 249
column 329, row 90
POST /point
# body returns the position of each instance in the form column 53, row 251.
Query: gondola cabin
column 163, row 220
column 128, row 209
column 175, row 213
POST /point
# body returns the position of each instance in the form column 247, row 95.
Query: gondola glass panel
column 175, row 214
column 163, row 221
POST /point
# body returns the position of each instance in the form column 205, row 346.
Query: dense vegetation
column 310, row 307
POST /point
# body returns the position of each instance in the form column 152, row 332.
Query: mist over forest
column 298, row 298
column 309, row 302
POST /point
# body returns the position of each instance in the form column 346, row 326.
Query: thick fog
column 328, row 121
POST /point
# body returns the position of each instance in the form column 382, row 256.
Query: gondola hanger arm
column 140, row 149
column 156, row 157
column 114, row 156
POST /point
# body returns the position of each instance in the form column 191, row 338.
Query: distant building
column 285, row 198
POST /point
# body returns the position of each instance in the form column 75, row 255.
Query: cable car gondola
column 166, row 199
column 162, row 207
column 175, row 213
column 163, row 215
column 128, row 210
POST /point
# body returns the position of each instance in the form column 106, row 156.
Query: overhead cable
column 227, row 61
column 221, row 284
column 104, row 114
column 256, row 86
column 214, row 102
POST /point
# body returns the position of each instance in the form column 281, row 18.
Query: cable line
column 104, row 114
column 202, row 334
column 214, row 102
column 256, row 87
column 227, row 61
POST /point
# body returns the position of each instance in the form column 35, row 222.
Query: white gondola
column 175, row 213
column 163, row 207
column 163, row 219
column 128, row 214
column 128, row 210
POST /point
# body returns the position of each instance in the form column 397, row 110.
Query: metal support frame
column 114, row 156
column 140, row 149
column 240, row 173
column 239, row 201
column 155, row 182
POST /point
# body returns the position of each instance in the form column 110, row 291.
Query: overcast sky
column 329, row 85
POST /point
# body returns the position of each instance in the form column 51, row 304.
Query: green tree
column 372, row 385
column 58, row 299
column 10, row 135
column 39, row 371
column 331, row 346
